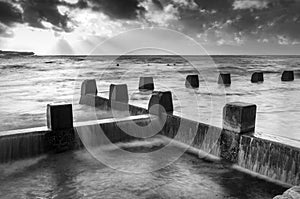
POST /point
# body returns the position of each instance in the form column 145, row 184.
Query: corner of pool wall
column 238, row 118
column 161, row 102
column 60, row 123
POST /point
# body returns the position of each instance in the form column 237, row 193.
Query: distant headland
column 15, row 53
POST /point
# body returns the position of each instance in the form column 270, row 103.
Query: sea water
column 28, row 84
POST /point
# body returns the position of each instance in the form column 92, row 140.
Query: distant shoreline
column 165, row 55
column 16, row 53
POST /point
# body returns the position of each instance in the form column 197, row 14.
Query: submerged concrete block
column 224, row 78
column 89, row 86
column 192, row 81
column 146, row 83
column 163, row 102
column 257, row 77
column 59, row 117
column 239, row 117
column 287, row 76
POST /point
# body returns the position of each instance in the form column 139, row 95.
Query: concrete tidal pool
column 228, row 150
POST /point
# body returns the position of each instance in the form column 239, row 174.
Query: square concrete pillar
column 224, row 78
column 239, row 117
column 287, row 76
column 146, row 84
column 89, row 86
column 192, row 81
column 163, row 99
column 118, row 93
column 59, row 117
column 257, row 77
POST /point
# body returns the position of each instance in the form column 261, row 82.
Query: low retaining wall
column 28, row 143
column 237, row 145
column 274, row 160
column 104, row 104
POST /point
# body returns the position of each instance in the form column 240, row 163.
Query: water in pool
column 78, row 175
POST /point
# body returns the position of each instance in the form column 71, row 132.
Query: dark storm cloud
column 36, row 11
column 33, row 12
column 221, row 5
column 230, row 20
column 243, row 19
column 116, row 9
column 9, row 14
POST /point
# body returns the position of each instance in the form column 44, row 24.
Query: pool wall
column 235, row 143
column 28, row 143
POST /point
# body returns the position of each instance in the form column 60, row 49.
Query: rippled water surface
column 27, row 85
column 78, row 175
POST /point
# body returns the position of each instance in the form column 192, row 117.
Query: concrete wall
column 28, row 143
column 275, row 160
column 271, row 159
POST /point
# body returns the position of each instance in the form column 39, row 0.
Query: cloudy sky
column 220, row 26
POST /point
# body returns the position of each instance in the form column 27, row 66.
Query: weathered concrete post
column 224, row 78
column 146, row 84
column 89, row 86
column 160, row 102
column 257, row 77
column 89, row 92
column 118, row 96
column 287, row 76
column 192, row 81
column 60, row 122
column 238, row 118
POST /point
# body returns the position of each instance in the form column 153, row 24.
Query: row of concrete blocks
column 237, row 116
column 225, row 78
column 192, row 81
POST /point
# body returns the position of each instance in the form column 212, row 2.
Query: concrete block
column 163, row 99
column 287, row 76
column 239, row 117
column 146, row 84
column 118, row 93
column 224, row 78
column 192, row 81
column 89, row 86
column 59, row 117
column 257, row 77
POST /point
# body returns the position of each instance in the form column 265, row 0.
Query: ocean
column 28, row 84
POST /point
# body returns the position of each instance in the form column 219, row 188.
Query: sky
column 222, row 27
